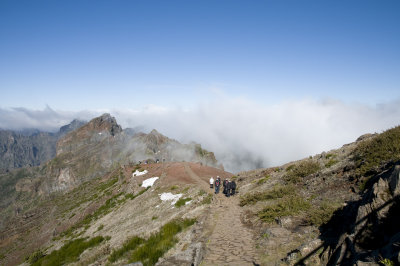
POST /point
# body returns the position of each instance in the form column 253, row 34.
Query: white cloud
column 243, row 134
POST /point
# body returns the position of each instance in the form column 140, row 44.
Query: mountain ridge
column 334, row 208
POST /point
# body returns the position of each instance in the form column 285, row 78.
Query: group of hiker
column 229, row 187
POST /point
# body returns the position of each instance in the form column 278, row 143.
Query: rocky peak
column 156, row 138
column 105, row 122
column 97, row 129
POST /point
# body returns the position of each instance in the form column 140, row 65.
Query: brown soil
column 179, row 173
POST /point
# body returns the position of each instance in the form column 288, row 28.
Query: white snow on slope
column 138, row 173
column 170, row 196
column 149, row 182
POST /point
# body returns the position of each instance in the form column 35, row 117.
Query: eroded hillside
column 115, row 209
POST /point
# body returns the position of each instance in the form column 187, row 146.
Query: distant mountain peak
column 106, row 122
column 75, row 124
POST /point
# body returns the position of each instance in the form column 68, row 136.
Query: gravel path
column 230, row 242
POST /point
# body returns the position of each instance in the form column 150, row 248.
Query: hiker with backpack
column 211, row 182
column 228, row 189
column 225, row 185
column 233, row 188
column 217, row 185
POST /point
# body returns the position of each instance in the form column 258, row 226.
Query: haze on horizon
column 259, row 83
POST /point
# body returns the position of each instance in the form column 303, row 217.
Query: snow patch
column 149, row 182
column 138, row 173
column 170, row 196
column 188, row 202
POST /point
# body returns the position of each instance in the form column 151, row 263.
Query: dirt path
column 204, row 184
column 229, row 242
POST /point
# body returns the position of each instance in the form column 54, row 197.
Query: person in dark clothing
column 225, row 185
column 233, row 188
column 217, row 185
column 228, row 189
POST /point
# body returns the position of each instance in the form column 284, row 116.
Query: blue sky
column 78, row 55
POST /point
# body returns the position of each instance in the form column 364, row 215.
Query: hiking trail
column 230, row 242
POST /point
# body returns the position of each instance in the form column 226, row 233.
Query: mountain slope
column 335, row 208
column 116, row 205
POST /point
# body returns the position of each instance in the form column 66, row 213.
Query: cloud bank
column 243, row 134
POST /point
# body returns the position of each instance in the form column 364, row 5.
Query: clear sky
column 77, row 55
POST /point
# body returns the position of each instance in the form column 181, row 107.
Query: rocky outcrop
column 96, row 130
column 370, row 230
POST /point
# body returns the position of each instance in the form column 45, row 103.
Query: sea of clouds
column 243, row 134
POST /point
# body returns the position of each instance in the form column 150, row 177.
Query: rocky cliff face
column 30, row 148
column 367, row 230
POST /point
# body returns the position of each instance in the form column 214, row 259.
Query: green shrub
column 386, row 262
column 70, row 252
column 154, row 218
column 290, row 167
column 107, row 184
column 202, row 192
column 331, row 162
column 2, row 256
column 173, row 187
column 276, row 193
column 182, row 201
column 287, row 206
column 159, row 243
column 321, row 214
column 208, row 199
column 129, row 196
column 35, row 256
column 330, row 155
column 295, row 173
column 263, row 180
column 100, row 227
column 130, row 244
column 375, row 152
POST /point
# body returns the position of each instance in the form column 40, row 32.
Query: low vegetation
column 150, row 250
column 207, row 199
column 276, row 193
column 68, row 253
column 285, row 201
column 296, row 172
column 106, row 208
column 159, row 243
column 182, row 201
column 331, row 162
column 174, row 187
column 287, row 206
column 377, row 151
column 35, row 256
column 130, row 244
column 263, row 180
column 319, row 215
